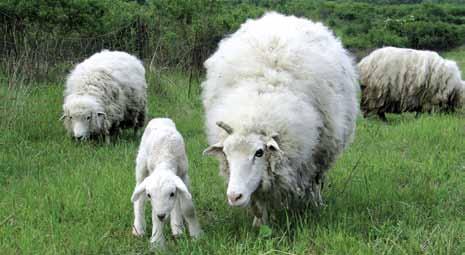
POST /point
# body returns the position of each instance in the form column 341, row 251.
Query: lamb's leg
column 157, row 240
column 176, row 220
column 188, row 211
column 138, row 229
column 260, row 214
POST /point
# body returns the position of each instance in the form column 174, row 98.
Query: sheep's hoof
column 177, row 234
column 138, row 233
column 157, row 245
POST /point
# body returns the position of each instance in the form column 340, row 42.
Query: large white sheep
column 396, row 80
column 280, row 104
column 104, row 93
column 161, row 175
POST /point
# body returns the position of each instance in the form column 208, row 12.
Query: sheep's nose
column 161, row 216
column 234, row 197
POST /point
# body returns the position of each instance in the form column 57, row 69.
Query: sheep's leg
column 382, row 116
column 316, row 190
column 135, row 125
column 107, row 139
column 138, row 229
column 365, row 114
column 317, row 186
column 140, row 121
column 106, row 132
column 106, row 136
column 188, row 211
column 142, row 118
column 176, row 220
column 260, row 215
column 157, row 240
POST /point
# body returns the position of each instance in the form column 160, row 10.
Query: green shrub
column 185, row 33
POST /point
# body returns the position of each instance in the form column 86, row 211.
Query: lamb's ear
column 62, row 116
column 181, row 186
column 272, row 144
column 138, row 191
column 101, row 114
column 215, row 149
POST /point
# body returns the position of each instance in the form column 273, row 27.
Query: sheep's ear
column 181, row 186
column 138, row 191
column 272, row 144
column 62, row 117
column 215, row 149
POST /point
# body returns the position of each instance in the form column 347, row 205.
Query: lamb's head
column 83, row 116
column 248, row 157
column 163, row 189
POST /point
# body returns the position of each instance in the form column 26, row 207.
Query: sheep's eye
column 172, row 194
column 88, row 118
column 259, row 153
column 70, row 117
column 148, row 195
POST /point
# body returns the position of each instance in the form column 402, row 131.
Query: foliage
column 184, row 33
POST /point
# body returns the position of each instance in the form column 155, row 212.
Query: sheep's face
column 83, row 125
column 162, row 196
column 163, row 190
column 83, row 118
column 248, row 160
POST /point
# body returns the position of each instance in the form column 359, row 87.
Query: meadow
column 399, row 189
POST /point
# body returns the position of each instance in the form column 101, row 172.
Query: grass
column 399, row 189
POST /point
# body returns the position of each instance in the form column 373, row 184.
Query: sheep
column 103, row 94
column 161, row 175
column 395, row 80
column 280, row 105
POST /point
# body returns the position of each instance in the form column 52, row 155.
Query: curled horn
column 225, row 126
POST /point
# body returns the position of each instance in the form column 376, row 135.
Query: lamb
column 161, row 175
column 103, row 94
column 280, row 104
column 396, row 80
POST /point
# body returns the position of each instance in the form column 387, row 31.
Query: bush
column 184, row 33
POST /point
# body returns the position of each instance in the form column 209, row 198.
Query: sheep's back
column 399, row 80
column 116, row 78
column 291, row 53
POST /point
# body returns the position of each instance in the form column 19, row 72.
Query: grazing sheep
column 161, row 175
column 104, row 93
column 280, row 104
column 395, row 80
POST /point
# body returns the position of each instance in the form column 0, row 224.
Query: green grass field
column 399, row 189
